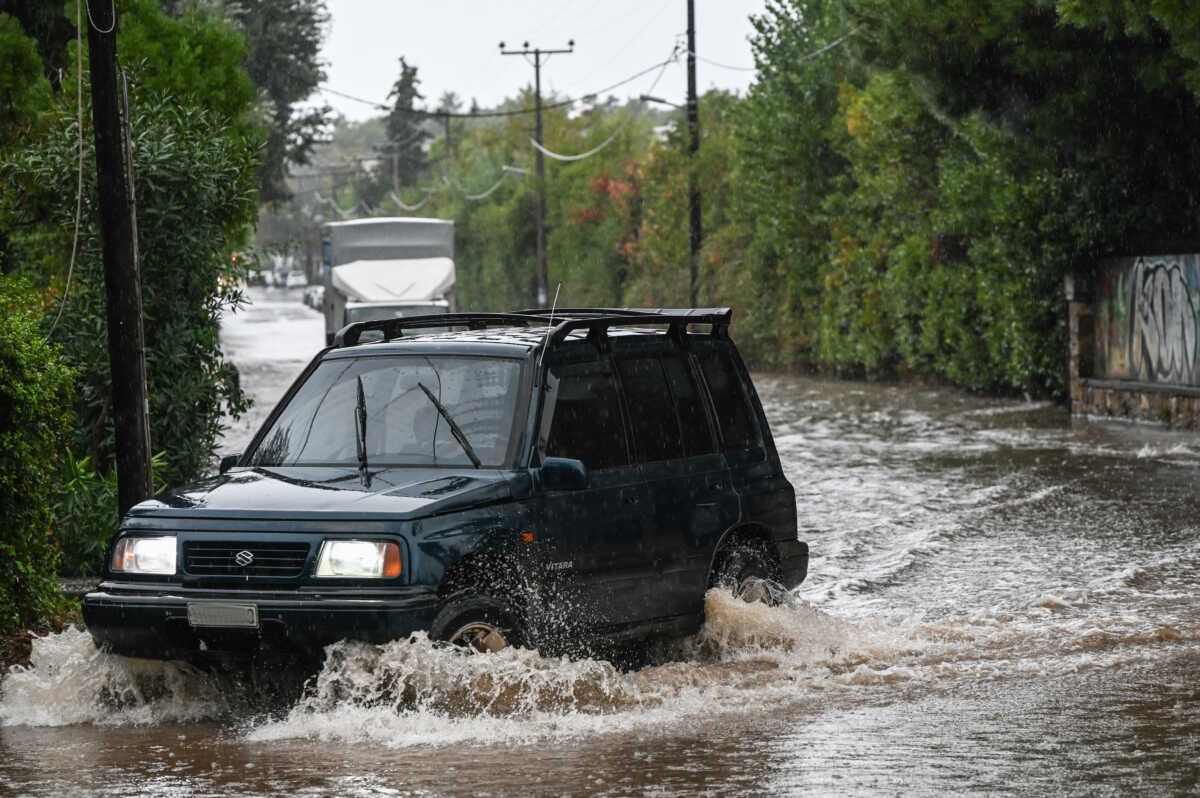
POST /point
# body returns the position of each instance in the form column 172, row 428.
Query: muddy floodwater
column 999, row 601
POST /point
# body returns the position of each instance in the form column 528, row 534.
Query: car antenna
column 549, row 326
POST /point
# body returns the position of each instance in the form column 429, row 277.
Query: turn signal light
column 391, row 561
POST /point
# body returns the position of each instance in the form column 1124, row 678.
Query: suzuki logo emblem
column 243, row 558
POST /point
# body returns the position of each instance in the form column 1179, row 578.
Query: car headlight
column 359, row 559
column 136, row 555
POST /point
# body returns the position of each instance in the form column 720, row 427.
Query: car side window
column 652, row 413
column 689, row 404
column 739, row 431
column 584, row 417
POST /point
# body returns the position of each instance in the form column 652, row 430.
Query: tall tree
column 405, row 151
column 283, row 38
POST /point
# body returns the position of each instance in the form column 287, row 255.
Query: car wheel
column 477, row 623
column 748, row 569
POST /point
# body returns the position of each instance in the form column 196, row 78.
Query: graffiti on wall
column 1148, row 320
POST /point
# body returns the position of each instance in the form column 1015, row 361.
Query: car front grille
column 220, row 558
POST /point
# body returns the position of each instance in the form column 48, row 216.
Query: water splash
column 415, row 692
column 69, row 682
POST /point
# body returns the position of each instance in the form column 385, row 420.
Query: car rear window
column 734, row 417
column 651, row 409
column 689, row 403
column 584, row 417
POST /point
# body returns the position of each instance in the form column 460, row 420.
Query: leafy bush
column 195, row 182
column 35, row 400
column 85, row 513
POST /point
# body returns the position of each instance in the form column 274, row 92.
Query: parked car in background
column 295, row 279
column 519, row 480
column 314, row 296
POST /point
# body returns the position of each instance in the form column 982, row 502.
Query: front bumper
column 154, row 624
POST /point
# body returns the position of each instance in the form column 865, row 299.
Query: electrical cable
column 497, row 114
column 485, row 194
column 802, row 59
column 79, row 179
column 92, row 22
column 711, row 62
column 612, row 137
column 411, row 208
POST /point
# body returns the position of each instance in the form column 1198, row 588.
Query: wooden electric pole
column 543, row 274
column 122, row 284
column 693, row 121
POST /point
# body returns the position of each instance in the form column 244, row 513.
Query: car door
column 593, row 538
column 684, row 480
column 765, row 495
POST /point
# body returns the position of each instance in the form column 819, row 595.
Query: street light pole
column 543, row 272
column 693, row 120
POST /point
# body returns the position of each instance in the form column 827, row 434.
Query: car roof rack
column 561, row 322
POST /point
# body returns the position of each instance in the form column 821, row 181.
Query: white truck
column 386, row 268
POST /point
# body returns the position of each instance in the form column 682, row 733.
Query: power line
column 711, row 62
column 79, row 180
column 612, row 137
column 496, row 114
column 810, row 56
column 111, row 27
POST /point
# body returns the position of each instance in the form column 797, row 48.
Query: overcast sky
column 453, row 43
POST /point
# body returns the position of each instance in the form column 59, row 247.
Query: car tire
column 749, row 570
column 478, row 622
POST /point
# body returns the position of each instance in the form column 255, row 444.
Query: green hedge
column 35, row 397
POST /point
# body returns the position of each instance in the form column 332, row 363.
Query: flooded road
column 999, row 601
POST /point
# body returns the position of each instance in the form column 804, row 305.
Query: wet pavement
column 1000, row 601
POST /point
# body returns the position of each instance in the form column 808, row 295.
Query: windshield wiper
column 454, row 428
column 360, row 434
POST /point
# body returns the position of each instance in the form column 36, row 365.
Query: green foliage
column 24, row 92
column 197, row 58
column 85, row 513
column 900, row 192
column 196, row 197
column 35, row 398
column 283, row 38
column 46, row 22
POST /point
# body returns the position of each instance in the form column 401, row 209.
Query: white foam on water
column 414, row 692
column 69, row 682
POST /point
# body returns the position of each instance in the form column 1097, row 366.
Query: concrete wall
column 1135, row 340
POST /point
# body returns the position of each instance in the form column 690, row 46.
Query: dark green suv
column 493, row 479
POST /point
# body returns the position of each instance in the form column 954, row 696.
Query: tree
column 406, row 134
column 195, row 184
column 45, row 22
column 23, row 90
column 284, row 41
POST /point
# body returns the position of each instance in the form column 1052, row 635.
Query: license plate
column 228, row 616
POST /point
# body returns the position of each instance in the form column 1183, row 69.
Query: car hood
column 401, row 493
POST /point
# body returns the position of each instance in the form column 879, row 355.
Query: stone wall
column 1134, row 327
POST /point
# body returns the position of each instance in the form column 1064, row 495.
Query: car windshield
column 404, row 425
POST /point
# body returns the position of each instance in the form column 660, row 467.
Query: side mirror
column 563, row 473
column 229, row 461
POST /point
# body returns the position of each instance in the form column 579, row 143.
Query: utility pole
column 693, row 120
column 122, row 284
column 543, row 276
